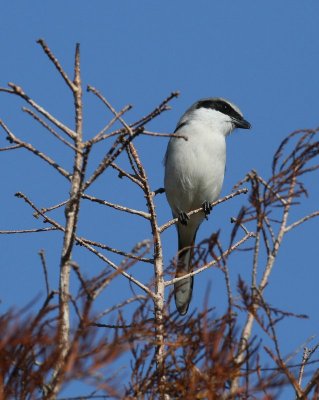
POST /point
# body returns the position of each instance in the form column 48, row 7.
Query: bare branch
column 213, row 262
column 117, row 206
column 276, row 194
column 45, row 270
column 33, row 150
column 102, row 135
column 213, row 204
column 109, row 106
column 6, row 90
column 122, row 253
column 48, row 127
column 13, row 232
column 11, row 147
column 305, row 358
column 301, row 221
column 157, row 111
column 168, row 135
column 111, row 264
column 122, row 173
column 17, row 90
column 45, row 210
column 111, row 155
column 121, row 305
column 56, row 64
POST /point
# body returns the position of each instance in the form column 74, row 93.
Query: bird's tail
column 183, row 289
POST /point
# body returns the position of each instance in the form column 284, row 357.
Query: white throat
column 211, row 120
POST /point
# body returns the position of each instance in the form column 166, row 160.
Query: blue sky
column 264, row 58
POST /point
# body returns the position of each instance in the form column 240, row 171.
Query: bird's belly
column 193, row 177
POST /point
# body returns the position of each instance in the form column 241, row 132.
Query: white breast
column 195, row 168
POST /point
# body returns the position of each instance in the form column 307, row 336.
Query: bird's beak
column 241, row 123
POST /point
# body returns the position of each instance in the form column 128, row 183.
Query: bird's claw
column 183, row 218
column 159, row 191
column 207, row 208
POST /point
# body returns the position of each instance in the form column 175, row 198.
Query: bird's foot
column 159, row 191
column 207, row 208
column 183, row 218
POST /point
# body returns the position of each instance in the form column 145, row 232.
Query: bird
column 195, row 163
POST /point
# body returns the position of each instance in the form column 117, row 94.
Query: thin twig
column 110, row 157
column 168, row 135
column 110, row 107
column 116, row 251
column 276, row 194
column 35, row 151
column 14, row 231
column 128, row 129
column 213, row 204
column 17, row 90
column 121, row 305
column 157, row 111
column 48, row 127
column 57, row 65
column 6, row 90
column 283, row 368
column 271, row 231
column 255, row 260
column 48, row 209
column 102, row 135
column 17, row 146
column 122, row 173
column 213, row 262
column 117, row 206
column 234, row 220
column 305, row 358
column 45, row 270
column 301, row 221
column 112, row 326
column 111, row 264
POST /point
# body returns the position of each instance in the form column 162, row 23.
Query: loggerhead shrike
column 194, row 174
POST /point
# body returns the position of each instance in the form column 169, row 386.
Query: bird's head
column 215, row 112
